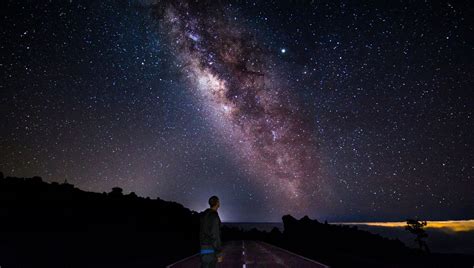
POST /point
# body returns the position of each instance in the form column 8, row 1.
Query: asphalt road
column 245, row 254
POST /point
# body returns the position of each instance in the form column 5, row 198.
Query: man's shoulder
column 210, row 213
column 213, row 213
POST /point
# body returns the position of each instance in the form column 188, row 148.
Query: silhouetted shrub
column 116, row 192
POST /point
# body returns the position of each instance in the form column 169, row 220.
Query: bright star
column 283, row 50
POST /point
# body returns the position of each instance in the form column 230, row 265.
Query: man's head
column 214, row 202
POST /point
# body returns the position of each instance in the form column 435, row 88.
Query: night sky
column 340, row 111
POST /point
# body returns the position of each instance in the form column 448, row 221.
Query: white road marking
column 243, row 254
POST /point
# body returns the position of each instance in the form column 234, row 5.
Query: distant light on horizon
column 450, row 225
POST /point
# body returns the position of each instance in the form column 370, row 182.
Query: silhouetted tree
column 133, row 195
column 416, row 227
column 37, row 179
column 116, row 191
column 1, row 176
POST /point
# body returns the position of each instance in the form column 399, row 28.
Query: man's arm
column 216, row 235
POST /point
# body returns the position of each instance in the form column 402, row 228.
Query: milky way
column 237, row 80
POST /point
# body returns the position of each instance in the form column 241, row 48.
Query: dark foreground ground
column 57, row 225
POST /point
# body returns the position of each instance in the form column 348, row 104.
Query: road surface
column 247, row 253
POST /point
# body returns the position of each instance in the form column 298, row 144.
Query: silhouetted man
column 210, row 234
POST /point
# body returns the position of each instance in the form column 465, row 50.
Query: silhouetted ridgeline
column 57, row 225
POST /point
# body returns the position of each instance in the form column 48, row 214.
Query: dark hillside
column 57, row 225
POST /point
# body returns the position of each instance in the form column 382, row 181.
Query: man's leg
column 208, row 260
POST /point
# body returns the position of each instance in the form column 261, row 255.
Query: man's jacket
column 210, row 230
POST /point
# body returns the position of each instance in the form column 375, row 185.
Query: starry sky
column 341, row 111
